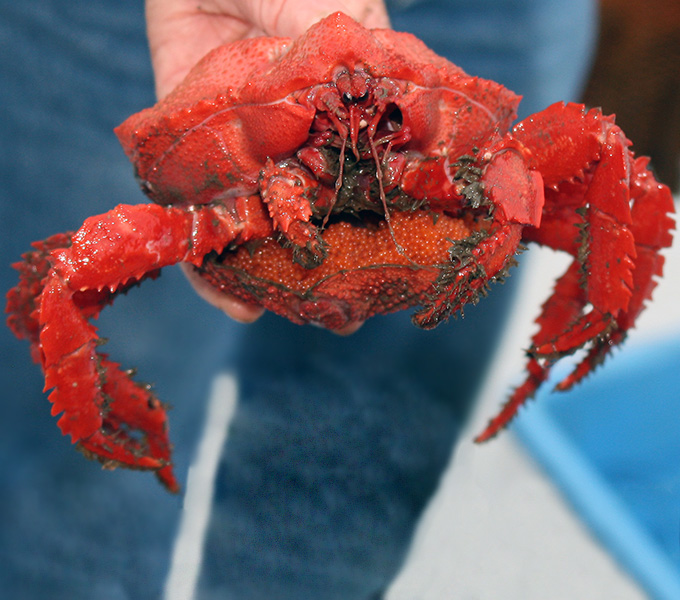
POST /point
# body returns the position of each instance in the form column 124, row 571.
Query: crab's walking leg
column 562, row 308
column 23, row 300
column 651, row 227
column 605, row 208
column 473, row 267
column 113, row 418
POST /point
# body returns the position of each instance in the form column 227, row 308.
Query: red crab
column 346, row 173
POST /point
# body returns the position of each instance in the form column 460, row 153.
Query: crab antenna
column 383, row 200
column 338, row 182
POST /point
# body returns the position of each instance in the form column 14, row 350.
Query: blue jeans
column 336, row 444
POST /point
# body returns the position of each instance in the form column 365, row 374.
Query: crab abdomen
column 365, row 272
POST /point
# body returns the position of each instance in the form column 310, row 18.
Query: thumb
column 291, row 18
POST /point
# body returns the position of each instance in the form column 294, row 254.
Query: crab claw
column 286, row 189
column 70, row 278
column 111, row 417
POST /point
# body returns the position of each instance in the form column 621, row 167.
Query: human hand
column 181, row 32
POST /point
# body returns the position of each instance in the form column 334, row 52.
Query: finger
column 231, row 306
column 180, row 33
column 291, row 18
column 349, row 329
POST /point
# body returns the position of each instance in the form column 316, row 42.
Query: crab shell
column 249, row 102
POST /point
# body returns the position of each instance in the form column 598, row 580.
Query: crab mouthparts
column 382, row 250
column 357, row 149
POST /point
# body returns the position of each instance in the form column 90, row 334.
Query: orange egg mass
column 368, row 270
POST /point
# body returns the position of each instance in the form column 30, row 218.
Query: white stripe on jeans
column 187, row 553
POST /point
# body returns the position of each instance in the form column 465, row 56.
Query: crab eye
column 363, row 97
column 347, row 97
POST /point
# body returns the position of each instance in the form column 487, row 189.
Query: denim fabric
column 336, row 444
column 71, row 71
column 540, row 49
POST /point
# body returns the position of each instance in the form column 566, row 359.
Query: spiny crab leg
column 111, row 417
column 651, row 203
column 465, row 280
column 562, row 308
column 608, row 218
